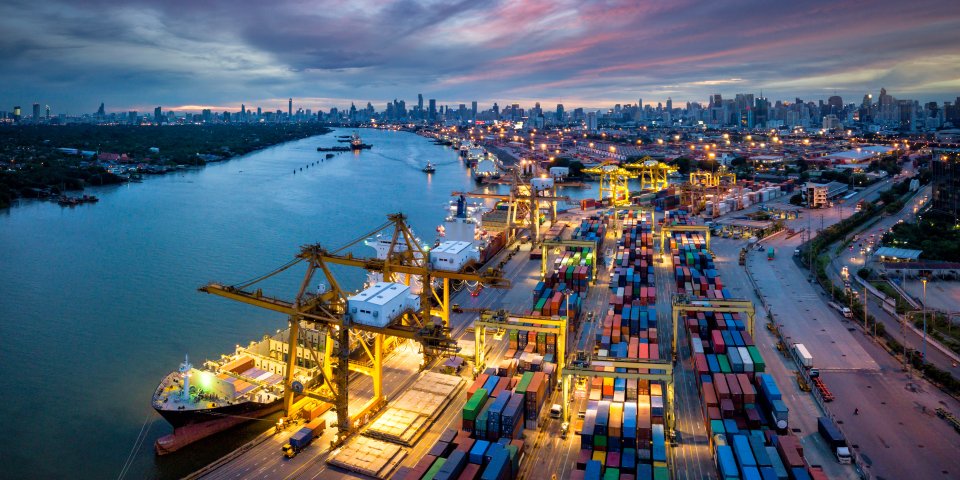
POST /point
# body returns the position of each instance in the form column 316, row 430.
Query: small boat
column 329, row 155
column 430, row 168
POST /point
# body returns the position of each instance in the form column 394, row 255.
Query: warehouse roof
column 898, row 253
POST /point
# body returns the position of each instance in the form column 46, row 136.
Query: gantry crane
column 524, row 199
column 327, row 312
column 654, row 175
column 613, row 182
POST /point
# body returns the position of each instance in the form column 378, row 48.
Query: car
column 456, row 308
column 476, row 291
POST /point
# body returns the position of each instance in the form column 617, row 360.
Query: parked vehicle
column 838, row 444
column 846, row 312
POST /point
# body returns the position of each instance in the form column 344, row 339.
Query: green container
column 600, row 441
column 524, row 383
column 758, row 364
column 716, row 426
column 611, row 474
column 476, row 402
column 724, row 363
column 437, row 465
column 659, row 473
column 540, row 304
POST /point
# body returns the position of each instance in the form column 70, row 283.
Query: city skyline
column 138, row 56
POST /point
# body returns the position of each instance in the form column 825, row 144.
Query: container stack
column 593, row 229
column 458, row 456
column 622, row 435
column 742, row 404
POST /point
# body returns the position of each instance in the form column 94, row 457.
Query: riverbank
column 46, row 161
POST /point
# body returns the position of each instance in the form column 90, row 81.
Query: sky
column 185, row 55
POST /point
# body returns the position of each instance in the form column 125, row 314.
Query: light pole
column 924, row 348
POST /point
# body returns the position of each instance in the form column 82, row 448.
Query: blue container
column 478, row 450
column 726, row 465
column 454, row 465
column 768, row 473
column 594, row 468
column 741, row 448
column 498, row 467
column 751, row 473
column 799, row 473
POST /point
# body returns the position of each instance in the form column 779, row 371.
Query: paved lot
column 941, row 295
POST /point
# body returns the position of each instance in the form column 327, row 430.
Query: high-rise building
column 559, row 113
column 669, row 104
column 48, row 112
column 473, row 110
column 432, row 113
column 132, row 117
column 290, row 108
column 36, row 113
column 16, row 113
column 420, row 102
column 100, row 112
column 157, row 115
column 207, row 115
column 592, row 121
column 945, row 169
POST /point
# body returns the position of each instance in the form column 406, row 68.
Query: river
column 100, row 301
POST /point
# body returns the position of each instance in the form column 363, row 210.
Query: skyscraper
column 36, row 113
column 100, row 112
column 432, row 114
column 290, row 108
column 157, row 115
column 16, row 113
column 473, row 110
column 559, row 113
column 420, row 102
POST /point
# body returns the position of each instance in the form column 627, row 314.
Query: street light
column 924, row 348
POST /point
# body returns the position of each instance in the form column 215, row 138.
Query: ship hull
column 192, row 425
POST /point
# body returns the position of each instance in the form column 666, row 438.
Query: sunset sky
column 139, row 54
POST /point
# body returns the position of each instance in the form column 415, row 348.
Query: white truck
column 846, row 312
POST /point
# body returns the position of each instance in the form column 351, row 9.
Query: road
column 803, row 409
column 859, row 373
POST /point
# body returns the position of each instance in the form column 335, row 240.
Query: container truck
column 804, row 359
column 301, row 438
column 829, row 431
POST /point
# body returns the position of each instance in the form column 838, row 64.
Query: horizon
column 138, row 55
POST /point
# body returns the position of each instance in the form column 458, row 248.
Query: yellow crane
column 351, row 346
column 654, row 175
column 613, row 182
column 525, row 200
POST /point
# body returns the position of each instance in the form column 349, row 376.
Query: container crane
column 351, row 346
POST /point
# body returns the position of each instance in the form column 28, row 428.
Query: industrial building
column 946, row 182
column 818, row 195
column 381, row 303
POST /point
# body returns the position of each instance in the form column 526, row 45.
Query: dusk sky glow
column 139, row 54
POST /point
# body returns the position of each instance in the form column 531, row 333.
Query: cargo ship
column 486, row 168
column 465, row 224
column 247, row 385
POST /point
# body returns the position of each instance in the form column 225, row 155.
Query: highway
column 853, row 261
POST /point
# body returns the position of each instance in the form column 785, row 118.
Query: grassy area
column 940, row 328
column 902, row 304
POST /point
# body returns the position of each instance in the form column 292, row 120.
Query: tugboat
column 430, row 168
column 357, row 144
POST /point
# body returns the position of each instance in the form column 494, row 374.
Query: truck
column 834, row 438
column 770, row 253
column 301, row 438
column 846, row 312
column 804, row 359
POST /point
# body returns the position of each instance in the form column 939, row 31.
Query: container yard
column 576, row 364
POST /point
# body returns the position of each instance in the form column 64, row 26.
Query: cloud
column 73, row 54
